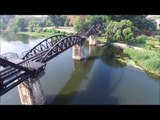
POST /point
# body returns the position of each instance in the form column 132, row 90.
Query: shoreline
column 131, row 62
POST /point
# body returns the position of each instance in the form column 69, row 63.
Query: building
column 31, row 16
column 156, row 18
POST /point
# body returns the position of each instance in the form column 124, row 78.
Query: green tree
column 120, row 31
column 32, row 26
column 56, row 20
column 79, row 24
column 89, row 21
column 93, row 19
column 140, row 21
column 66, row 22
column 4, row 21
column 2, row 25
column 17, row 24
column 20, row 23
column 12, row 26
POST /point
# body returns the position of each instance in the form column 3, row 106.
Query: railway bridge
column 15, row 69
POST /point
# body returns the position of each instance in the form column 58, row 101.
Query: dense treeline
column 120, row 27
column 32, row 24
column 117, row 27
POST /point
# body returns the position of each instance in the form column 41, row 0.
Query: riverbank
column 123, row 45
column 147, row 60
column 47, row 32
column 42, row 34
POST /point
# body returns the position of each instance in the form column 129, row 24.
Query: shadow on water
column 80, row 73
column 9, row 37
column 109, row 57
column 100, row 88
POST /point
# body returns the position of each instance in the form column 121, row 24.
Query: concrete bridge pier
column 92, row 40
column 31, row 93
column 78, row 52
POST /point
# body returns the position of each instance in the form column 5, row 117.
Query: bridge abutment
column 92, row 40
column 78, row 52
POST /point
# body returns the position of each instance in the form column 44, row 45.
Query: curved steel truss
column 94, row 29
column 48, row 46
column 42, row 46
column 61, row 46
column 14, row 73
column 54, row 45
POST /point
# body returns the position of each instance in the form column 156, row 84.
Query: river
column 97, row 80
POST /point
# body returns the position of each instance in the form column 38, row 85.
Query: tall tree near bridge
column 139, row 21
column 56, row 20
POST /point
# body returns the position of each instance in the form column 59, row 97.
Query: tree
column 93, row 19
column 32, row 26
column 4, row 21
column 2, row 25
column 56, row 20
column 90, row 20
column 12, row 26
column 20, row 22
column 139, row 21
column 17, row 24
column 120, row 31
column 79, row 24
column 66, row 22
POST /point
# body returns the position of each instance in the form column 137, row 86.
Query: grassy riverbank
column 142, row 53
column 148, row 60
column 129, row 62
column 43, row 34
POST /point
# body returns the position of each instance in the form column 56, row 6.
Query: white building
column 156, row 18
column 31, row 16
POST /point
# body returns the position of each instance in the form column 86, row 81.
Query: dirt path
column 123, row 45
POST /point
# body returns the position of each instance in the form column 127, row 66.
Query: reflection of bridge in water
column 15, row 70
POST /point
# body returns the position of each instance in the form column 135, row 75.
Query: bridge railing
column 9, row 55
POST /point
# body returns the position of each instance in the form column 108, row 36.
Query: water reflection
column 9, row 37
column 79, row 74
column 104, row 79
column 109, row 56
column 31, row 92
column 99, row 79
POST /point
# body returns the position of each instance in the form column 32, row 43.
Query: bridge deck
column 15, row 60
column 32, row 65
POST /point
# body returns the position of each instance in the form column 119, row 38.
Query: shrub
column 149, row 47
column 141, row 39
column 153, row 38
column 157, row 32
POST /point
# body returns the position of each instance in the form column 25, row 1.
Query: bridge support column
column 92, row 40
column 31, row 93
column 77, row 52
